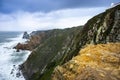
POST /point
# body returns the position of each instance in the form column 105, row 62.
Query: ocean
column 9, row 58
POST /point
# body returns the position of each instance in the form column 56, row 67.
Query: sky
column 29, row 15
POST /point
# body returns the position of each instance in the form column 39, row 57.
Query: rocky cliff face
column 59, row 46
column 48, row 53
column 103, row 28
column 94, row 62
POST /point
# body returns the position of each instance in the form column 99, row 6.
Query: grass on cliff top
column 100, row 58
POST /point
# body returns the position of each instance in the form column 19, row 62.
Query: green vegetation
column 49, row 53
column 58, row 46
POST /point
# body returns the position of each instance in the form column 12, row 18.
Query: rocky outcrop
column 59, row 46
column 94, row 62
column 20, row 46
column 26, row 35
column 35, row 38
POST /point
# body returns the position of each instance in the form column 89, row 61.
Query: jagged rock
column 26, row 35
column 20, row 46
column 18, row 50
column 32, row 43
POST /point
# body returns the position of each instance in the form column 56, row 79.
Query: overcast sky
column 27, row 15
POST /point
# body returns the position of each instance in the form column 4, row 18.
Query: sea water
column 9, row 58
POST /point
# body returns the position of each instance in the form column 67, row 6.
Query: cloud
column 8, row 6
column 27, row 21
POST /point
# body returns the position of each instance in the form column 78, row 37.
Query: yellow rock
column 94, row 62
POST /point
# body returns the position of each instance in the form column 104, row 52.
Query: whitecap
column 10, row 59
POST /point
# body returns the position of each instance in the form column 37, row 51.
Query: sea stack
column 26, row 35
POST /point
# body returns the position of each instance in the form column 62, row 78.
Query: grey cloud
column 8, row 6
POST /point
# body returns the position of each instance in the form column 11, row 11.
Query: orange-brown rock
column 32, row 43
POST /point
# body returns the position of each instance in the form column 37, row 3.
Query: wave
column 10, row 59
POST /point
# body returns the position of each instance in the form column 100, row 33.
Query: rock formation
column 26, row 35
column 59, row 46
column 35, row 38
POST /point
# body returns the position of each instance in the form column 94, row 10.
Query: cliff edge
column 94, row 62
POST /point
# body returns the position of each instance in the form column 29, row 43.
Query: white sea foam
column 10, row 59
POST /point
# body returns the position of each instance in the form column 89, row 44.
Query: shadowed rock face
column 26, row 35
column 59, row 46
column 94, row 62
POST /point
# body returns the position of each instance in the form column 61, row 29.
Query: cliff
column 94, row 62
column 48, row 53
column 59, row 46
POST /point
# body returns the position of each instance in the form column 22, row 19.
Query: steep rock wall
column 62, row 45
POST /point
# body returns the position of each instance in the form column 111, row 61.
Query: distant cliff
column 59, row 46
column 34, row 39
